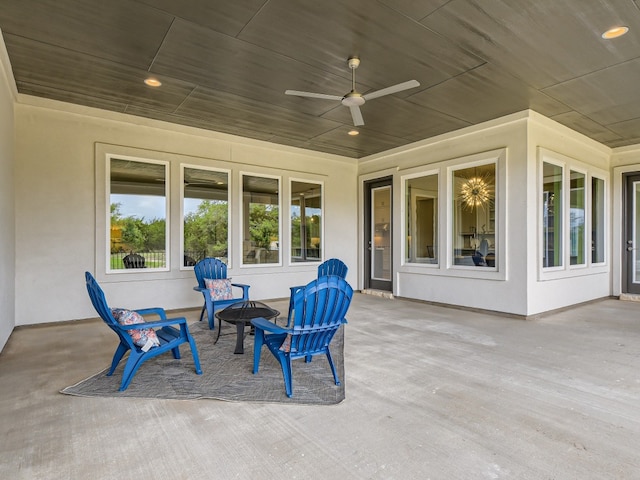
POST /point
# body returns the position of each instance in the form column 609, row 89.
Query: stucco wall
column 56, row 224
column 516, row 287
column 7, row 232
column 503, row 290
column 572, row 284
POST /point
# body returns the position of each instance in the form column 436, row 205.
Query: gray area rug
column 226, row 376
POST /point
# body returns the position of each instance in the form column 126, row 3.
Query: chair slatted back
column 320, row 309
column 209, row 268
column 333, row 266
column 96, row 294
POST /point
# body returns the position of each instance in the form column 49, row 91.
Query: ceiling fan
column 354, row 99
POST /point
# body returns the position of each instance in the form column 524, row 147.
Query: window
column 552, row 176
column 597, row 220
column 205, row 208
column 577, row 204
column 260, row 220
column 138, row 214
column 474, row 214
column 421, row 221
column 306, row 221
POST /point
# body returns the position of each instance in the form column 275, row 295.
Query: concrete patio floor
column 431, row 393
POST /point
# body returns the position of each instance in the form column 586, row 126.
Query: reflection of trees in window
column 306, row 222
column 597, row 220
column 577, row 204
column 206, row 215
column 261, row 220
column 137, row 203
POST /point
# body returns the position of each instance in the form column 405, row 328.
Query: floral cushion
column 145, row 338
column 286, row 344
column 220, row 288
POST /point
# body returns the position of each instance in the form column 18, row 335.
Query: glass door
column 631, row 238
column 379, row 247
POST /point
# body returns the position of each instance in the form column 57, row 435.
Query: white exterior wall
column 8, row 93
column 57, row 225
column 503, row 290
column 571, row 285
column 517, row 287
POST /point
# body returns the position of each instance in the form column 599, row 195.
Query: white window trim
column 403, row 218
column 240, row 197
column 445, row 218
column 288, row 224
column 587, row 213
column 107, row 213
column 605, row 207
column 183, row 166
column 450, row 224
column 570, row 164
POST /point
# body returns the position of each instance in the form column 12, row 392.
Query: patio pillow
column 219, row 288
column 145, row 338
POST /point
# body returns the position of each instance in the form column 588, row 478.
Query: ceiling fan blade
column 356, row 114
column 313, row 95
column 393, row 89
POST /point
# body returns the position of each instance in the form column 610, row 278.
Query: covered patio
column 431, row 392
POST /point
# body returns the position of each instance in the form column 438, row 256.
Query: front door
column 631, row 235
column 378, row 234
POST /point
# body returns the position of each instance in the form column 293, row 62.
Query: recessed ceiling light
column 353, row 132
column 615, row 32
column 153, row 82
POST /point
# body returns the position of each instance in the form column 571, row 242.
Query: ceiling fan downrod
column 353, row 98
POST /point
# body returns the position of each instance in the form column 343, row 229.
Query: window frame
column 444, row 267
column 571, row 165
column 605, row 238
column 587, row 210
column 564, row 215
column 498, row 222
column 289, row 231
column 404, row 216
column 183, row 167
column 107, row 199
column 241, row 176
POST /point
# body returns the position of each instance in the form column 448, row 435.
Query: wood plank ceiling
column 224, row 65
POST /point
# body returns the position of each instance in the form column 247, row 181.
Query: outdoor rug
column 225, row 375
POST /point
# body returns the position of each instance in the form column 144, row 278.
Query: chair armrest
column 156, row 310
column 244, row 287
column 264, row 324
column 158, row 324
column 198, row 288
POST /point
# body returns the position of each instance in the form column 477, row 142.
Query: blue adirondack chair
column 215, row 269
column 170, row 337
column 320, row 308
column 333, row 266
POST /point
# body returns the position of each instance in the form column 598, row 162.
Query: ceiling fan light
column 615, row 32
column 353, row 99
column 152, row 82
column 353, row 133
